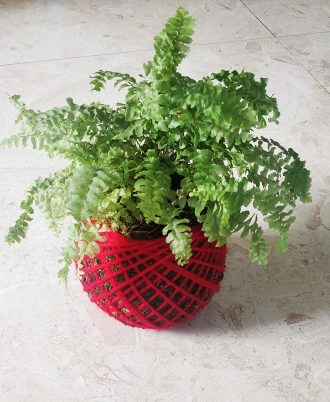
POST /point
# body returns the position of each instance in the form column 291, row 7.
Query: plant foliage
column 124, row 160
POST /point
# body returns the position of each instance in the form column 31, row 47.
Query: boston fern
column 178, row 151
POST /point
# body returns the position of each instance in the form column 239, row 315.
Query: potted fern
column 157, row 184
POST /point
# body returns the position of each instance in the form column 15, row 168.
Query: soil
column 148, row 231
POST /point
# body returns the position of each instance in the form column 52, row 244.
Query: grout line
column 127, row 52
column 303, row 34
column 74, row 57
column 301, row 64
column 231, row 41
column 257, row 18
column 41, row 168
column 288, row 49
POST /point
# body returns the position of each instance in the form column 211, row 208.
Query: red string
column 139, row 283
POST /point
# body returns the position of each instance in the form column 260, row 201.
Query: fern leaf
column 100, row 77
column 18, row 232
column 172, row 43
column 95, row 194
column 178, row 235
column 52, row 198
column 258, row 247
column 81, row 180
column 153, row 189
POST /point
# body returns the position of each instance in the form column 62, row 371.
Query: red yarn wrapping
column 139, row 283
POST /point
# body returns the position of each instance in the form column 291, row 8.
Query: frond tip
column 172, row 43
column 178, row 235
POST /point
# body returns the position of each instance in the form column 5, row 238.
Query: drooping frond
column 153, row 189
column 178, row 235
column 47, row 193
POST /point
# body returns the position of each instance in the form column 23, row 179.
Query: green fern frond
column 258, row 247
column 175, row 147
column 52, row 198
column 178, row 235
column 153, row 189
column 18, row 232
column 82, row 240
column 80, row 183
column 100, row 78
column 171, row 44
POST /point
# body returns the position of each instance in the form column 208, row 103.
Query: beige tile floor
column 266, row 335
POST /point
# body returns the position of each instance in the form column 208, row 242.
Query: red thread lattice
column 139, row 283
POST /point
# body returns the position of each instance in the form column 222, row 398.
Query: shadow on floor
column 294, row 289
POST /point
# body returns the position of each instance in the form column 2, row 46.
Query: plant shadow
column 293, row 290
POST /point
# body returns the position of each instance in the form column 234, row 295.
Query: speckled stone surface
column 266, row 335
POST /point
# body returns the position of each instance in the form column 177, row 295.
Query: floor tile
column 81, row 27
column 222, row 20
column 292, row 17
column 265, row 336
column 313, row 51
